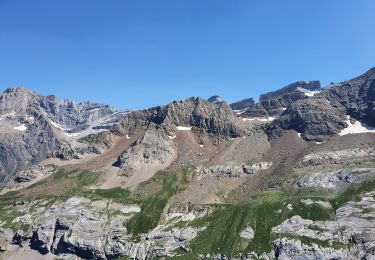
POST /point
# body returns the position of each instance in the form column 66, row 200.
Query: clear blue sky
column 136, row 54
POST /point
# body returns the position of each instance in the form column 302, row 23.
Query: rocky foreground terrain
column 289, row 177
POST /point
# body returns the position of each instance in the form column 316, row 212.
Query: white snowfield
column 184, row 128
column 261, row 119
column 356, row 128
column 20, row 127
column 308, row 93
column 239, row 112
column 57, row 125
column 172, row 137
column 72, row 134
column 30, row 119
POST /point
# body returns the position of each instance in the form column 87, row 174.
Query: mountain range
column 289, row 177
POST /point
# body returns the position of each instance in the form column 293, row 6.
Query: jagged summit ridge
column 195, row 112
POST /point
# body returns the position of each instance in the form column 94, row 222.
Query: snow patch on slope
column 356, row 128
column 308, row 93
column 184, row 128
column 20, row 127
column 261, row 119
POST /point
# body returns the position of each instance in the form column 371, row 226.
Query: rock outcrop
column 335, row 180
column 336, row 157
column 233, row 170
column 216, row 119
column 314, row 119
column 89, row 229
column 351, row 230
column 154, row 148
column 32, row 172
column 356, row 96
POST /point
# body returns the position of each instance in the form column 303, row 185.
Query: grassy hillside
column 261, row 213
column 224, row 224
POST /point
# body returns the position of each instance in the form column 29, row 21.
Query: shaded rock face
column 357, row 96
column 242, row 104
column 23, row 148
column 313, row 118
column 216, row 119
column 26, row 132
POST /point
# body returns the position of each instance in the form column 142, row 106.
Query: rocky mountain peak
column 242, row 104
column 20, row 90
column 356, row 96
column 275, row 102
column 215, row 99
column 297, row 86
column 195, row 112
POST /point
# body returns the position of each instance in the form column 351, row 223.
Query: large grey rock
column 32, row 173
column 6, row 238
column 335, row 180
column 154, row 147
column 336, row 157
column 286, row 249
column 353, row 228
column 234, row 170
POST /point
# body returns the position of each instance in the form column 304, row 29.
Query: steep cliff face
column 275, row 102
column 357, row 96
column 70, row 114
column 27, row 121
column 217, row 119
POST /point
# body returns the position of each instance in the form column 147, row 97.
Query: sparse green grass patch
column 153, row 205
